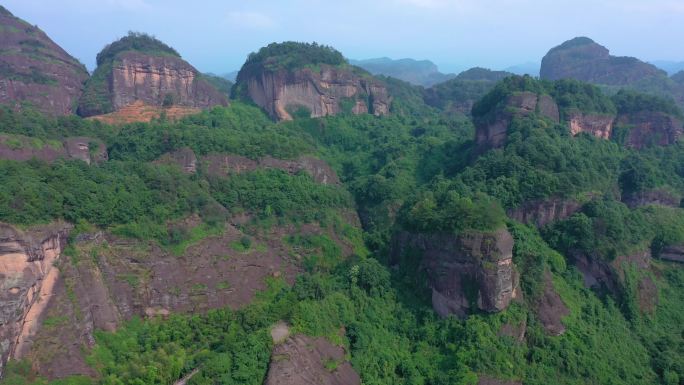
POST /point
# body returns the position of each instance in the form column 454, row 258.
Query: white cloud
column 251, row 20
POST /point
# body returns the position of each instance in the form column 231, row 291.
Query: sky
column 217, row 35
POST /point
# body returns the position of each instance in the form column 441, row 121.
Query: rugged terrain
column 131, row 72
column 35, row 71
column 323, row 89
column 341, row 231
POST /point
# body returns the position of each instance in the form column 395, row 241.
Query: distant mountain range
column 419, row 72
column 669, row 66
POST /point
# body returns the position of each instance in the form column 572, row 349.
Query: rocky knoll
column 21, row 148
column 492, row 128
column 583, row 59
column 27, row 280
column 140, row 68
column 304, row 360
column 296, row 79
column 470, row 271
column 36, row 71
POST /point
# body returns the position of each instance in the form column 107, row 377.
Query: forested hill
column 537, row 239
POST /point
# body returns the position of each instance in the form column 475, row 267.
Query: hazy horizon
column 216, row 36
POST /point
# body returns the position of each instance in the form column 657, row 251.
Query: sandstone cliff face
column 322, row 93
column 650, row 128
column 541, row 213
column 471, row 271
column 491, row 131
column 154, row 80
column 600, row 126
column 21, row 148
column 110, row 279
column 583, row 59
column 27, row 280
column 221, row 164
column 304, row 360
column 35, row 70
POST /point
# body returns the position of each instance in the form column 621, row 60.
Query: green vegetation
column 290, row 55
column 134, row 41
column 416, row 170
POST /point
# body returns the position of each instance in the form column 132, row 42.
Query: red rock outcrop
column 304, row 360
column 650, row 128
column 491, row 130
column 184, row 158
column 323, row 92
column 651, row 197
column 468, row 271
column 600, row 126
column 583, row 59
column 22, row 148
column 154, row 80
column 542, row 212
column 550, row 309
column 27, row 280
column 220, row 164
column 35, row 70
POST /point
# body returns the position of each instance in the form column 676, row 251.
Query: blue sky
column 216, row 36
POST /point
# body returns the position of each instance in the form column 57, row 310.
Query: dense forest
column 417, row 170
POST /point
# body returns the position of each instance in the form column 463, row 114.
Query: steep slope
column 139, row 68
column 418, row 72
column 298, row 79
column 36, row 71
column 583, row 59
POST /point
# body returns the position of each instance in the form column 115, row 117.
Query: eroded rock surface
column 221, row 164
column 303, row 360
column 22, row 148
column 583, row 59
column 35, row 70
column 647, row 129
column 326, row 92
column 135, row 76
column 541, row 213
column 27, row 281
column 471, row 271
column 600, row 126
column 491, row 130
column 551, row 309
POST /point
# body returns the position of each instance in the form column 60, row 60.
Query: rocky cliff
column 598, row 125
column 470, row 271
column 542, row 212
column 21, row 148
column 329, row 91
column 27, row 280
column 294, row 79
column 583, row 59
column 491, row 129
column 36, row 71
column 153, row 76
column 222, row 164
column 646, row 128
column 301, row 360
